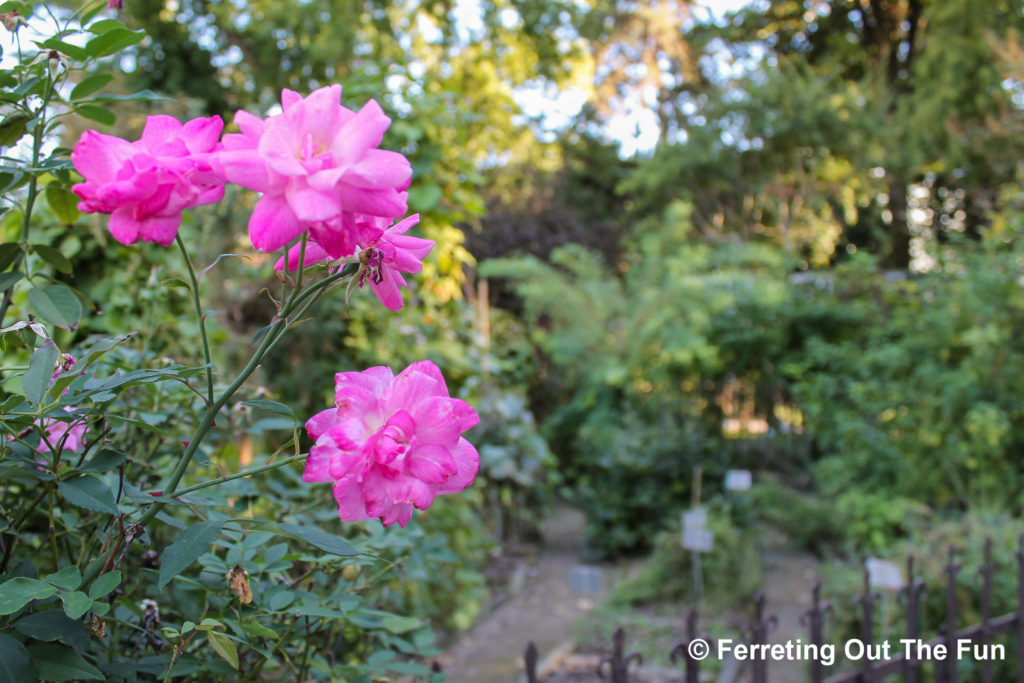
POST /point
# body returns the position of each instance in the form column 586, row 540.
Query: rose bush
column 120, row 468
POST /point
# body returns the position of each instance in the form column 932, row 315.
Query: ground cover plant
column 136, row 543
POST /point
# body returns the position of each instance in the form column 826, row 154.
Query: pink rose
column 392, row 443
column 146, row 184
column 318, row 167
column 388, row 252
column 72, row 433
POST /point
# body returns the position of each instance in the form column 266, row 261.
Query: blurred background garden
column 674, row 240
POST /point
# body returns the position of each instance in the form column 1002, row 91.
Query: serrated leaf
column 68, row 578
column 96, row 113
column 90, row 85
column 114, row 40
column 57, row 304
column 59, row 663
column 12, row 128
column 106, row 583
column 64, row 205
column 21, row 590
column 76, row 604
column 90, row 493
column 53, row 256
column 53, row 624
column 15, row 663
column 8, row 280
column 104, row 461
column 36, row 380
column 73, row 51
column 223, row 646
column 186, row 549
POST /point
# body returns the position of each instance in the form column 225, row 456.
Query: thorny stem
column 199, row 316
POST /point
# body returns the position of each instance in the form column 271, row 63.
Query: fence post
column 986, row 612
column 912, row 591
column 815, row 619
column 947, row 670
column 1020, row 609
column 618, row 662
column 867, row 618
column 530, row 660
column 759, row 635
column 682, row 648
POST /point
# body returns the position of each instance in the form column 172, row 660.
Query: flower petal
column 273, row 224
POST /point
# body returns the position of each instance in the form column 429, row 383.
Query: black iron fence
column 938, row 656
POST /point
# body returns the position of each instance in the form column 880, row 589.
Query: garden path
column 543, row 608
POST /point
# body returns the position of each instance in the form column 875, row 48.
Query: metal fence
column 619, row 665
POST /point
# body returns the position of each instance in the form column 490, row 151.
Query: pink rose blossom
column 392, row 443
column 318, row 167
column 56, row 430
column 392, row 253
column 146, row 184
column 388, row 252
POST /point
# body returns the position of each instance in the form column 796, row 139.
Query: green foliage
column 919, row 399
column 730, row 572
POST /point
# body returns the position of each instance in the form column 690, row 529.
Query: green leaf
column 8, row 254
column 15, row 663
column 272, row 406
column 73, row 51
column 36, row 380
column 399, row 624
column 114, row 40
column 224, row 646
column 68, row 578
column 76, row 604
column 20, row 591
column 96, row 113
column 53, row 624
column 64, row 205
column 8, row 280
column 321, row 539
column 57, row 304
column 90, row 493
column 103, row 586
column 12, row 128
column 140, row 96
column 186, row 549
column 53, row 256
column 90, row 85
column 59, row 663
column 104, row 25
column 104, row 461
column 281, row 600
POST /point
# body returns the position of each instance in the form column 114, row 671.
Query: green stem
column 199, row 315
column 33, row 191
column 240, row 475
column 204, row 426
